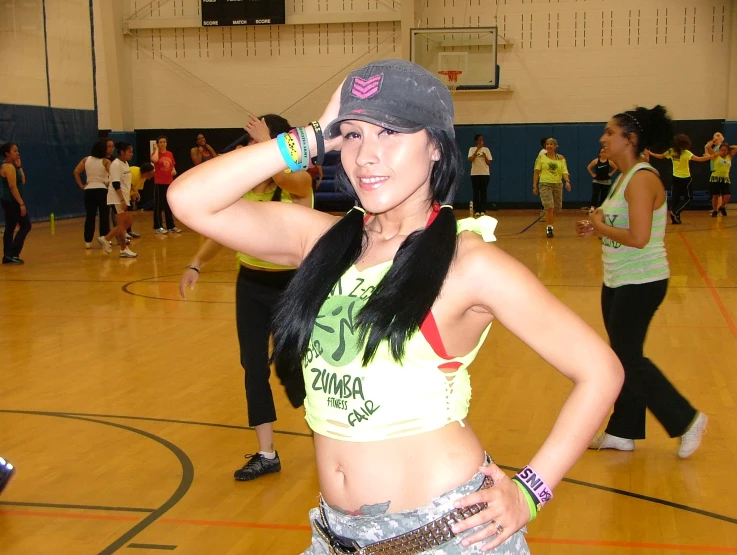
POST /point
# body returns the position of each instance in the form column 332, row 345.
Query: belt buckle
column 335, row 546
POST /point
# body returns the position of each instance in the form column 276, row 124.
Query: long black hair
column 99, row 149
column 403, row 298
column 653, row 127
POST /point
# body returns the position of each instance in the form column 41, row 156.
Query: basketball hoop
column 450, row 78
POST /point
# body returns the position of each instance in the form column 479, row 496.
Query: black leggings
column 12, row 241
column 681, row 188
column 627, row 312
column 599, row 191
column 479, row 183
column 161, row 203
column 256, row 294
column 95, row 202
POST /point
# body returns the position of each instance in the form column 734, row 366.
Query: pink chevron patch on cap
column 366, row 88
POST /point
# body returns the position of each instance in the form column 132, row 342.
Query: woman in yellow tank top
column 393, row 124
column 258, row 288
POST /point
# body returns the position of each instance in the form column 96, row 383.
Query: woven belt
column 419, row 540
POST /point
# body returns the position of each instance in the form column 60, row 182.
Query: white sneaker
column 128, row 237
column 160, row 231
column 104, row 244
column 127, row 253
column 87, row 245
column 608, row 441
column 175, row 230
column 691, row 440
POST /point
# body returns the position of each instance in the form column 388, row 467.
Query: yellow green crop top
column 243, row 258
column 385, row 399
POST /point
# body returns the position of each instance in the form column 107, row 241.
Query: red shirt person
column 164, row 172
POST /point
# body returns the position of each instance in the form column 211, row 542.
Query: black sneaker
column 549, row 232
column 12, row 260
column 257, row 466
column 6, row 472
column 674, row 218
column 134, row 234
column 714, row 213
column 723, row 211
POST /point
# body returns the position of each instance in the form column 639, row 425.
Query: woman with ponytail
column 389, row 306
column 631, row 224
column 119, row 196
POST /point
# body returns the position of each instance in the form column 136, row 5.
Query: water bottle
column 470, row 209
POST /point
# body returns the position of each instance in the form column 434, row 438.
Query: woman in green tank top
column 631, row 225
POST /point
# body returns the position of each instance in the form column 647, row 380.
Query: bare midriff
column 406, row 472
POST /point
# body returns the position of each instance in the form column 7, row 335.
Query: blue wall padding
column 514, row 148
column 51, row 142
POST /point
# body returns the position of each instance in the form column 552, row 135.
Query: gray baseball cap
column 395, row 94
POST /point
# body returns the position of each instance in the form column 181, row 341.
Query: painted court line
column 299, row 528
column 713, row 290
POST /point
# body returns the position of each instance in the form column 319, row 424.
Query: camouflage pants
column 366, row 530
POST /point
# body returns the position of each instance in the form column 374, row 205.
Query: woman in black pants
column 631, row 224
column 12, row 180
column 259, row 286
column 96, row 168
column 601, row 170
column 682, row 188
column 480, row 158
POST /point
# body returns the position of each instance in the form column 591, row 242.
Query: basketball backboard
column 450, row 50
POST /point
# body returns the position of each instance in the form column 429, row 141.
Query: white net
column 450, row 79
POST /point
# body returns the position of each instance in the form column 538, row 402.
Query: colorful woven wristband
column 530, row 502
column 284, row 150
column 535, row 485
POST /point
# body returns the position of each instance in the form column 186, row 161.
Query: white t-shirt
column 119, row 171
column 478, row 164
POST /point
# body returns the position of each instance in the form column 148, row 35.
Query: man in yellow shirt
column 139, row 175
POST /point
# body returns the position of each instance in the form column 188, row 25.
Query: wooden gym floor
column 122, row 405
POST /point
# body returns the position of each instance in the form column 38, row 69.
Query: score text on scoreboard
column 219, row 13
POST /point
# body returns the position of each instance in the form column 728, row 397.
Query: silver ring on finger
column 499, row 527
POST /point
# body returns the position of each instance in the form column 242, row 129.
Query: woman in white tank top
column 96, row 169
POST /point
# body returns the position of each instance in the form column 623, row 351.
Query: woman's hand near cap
column 331, row 112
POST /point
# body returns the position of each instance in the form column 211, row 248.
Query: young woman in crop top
column 631, row 224
column 388, row 308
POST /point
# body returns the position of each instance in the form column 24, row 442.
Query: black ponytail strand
column 404, row 297
column 653, row 127
column 335, row 252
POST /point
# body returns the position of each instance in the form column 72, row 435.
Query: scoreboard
column 217, row 13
